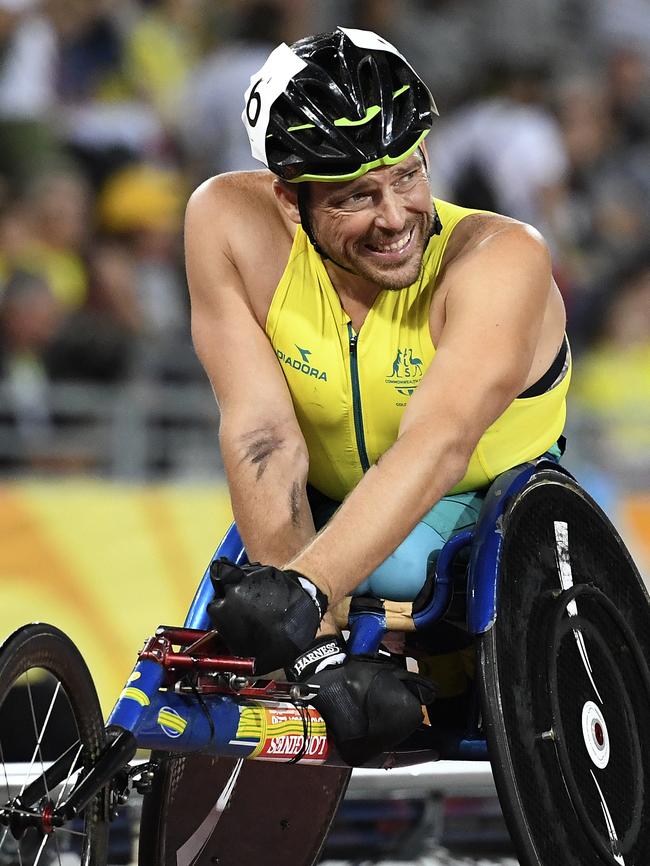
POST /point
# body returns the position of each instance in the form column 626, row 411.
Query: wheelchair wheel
column 204, row 810
column 48, row 706
column 565, row 683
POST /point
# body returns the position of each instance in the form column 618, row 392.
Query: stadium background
column 112, row 496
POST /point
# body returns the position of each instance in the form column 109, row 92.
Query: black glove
column 263, row 612
column 369, row 705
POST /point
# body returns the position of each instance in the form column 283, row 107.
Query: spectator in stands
column 505, row 152
column 95, row 283
column 445, row 40
column 98, row 342
column 27, row 91
column 15, row 237
column 142, row 207
column 625, row 22
column 102, row 120
column 607, row 215
column 89, row 48
column 628, row 72
column 612, row 379
column 30, row 318
column 161, row 49
column 57, row 207
column 210, row 125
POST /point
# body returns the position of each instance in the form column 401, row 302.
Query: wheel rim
column 568, row 741
column 594, row 720
column 49, row 728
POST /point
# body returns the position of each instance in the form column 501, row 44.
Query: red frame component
column 260, row 689
column 193, row 656
column 200, row 653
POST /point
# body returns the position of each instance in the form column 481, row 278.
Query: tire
column 47, row 691
column 204, row 810
column 565, row 684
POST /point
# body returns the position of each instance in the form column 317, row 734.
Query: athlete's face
column 378, row 225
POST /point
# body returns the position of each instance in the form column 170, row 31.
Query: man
column 384, row 346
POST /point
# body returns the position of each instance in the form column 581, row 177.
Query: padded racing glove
column 369, row 704
column 264, row 612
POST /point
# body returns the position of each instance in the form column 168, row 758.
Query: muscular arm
column 263, row 450
column 496, row 298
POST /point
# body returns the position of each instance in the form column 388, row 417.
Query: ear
column 287, row 197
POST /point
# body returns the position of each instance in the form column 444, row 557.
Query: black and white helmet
column 333, row 106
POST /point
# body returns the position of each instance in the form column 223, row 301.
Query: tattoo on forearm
column 294, row 502
column 259, row 446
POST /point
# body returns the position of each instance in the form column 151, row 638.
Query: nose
column 391, row 213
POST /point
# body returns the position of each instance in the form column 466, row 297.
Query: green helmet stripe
column 367, row 166
column 401, row 90
column 373, row 111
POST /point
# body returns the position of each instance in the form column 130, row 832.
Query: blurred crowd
column 112, row 111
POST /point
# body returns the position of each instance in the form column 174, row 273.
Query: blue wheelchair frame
column 176, row 721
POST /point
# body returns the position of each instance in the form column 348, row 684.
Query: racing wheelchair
column 558, row 622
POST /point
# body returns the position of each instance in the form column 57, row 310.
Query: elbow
column 455, row 461
column 260, row 446
column 445, row 471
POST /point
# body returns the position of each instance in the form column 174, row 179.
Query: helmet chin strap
column 305, row 221
column 436, row 225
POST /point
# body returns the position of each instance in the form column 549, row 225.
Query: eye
column 356, row 200
column 409, row 177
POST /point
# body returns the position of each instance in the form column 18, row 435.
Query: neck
column 351, row 287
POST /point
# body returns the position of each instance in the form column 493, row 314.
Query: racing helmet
column 333, row 106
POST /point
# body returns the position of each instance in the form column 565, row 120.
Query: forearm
column 381, row 511
column 267, row 471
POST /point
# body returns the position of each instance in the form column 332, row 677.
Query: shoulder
column 480, row 237
column 234, row 225
column 234, row 208
column 231, row 197
column 493, row 258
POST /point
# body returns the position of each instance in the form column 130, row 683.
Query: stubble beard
column 388, row 277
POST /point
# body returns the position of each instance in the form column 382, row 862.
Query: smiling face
column 378, row 225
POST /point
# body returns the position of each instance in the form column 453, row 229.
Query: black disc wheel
column 204, row 810
column 565, row 683
column 50, row 720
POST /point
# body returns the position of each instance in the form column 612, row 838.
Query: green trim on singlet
column 356, row 400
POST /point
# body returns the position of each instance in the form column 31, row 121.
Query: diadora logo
column 406, row 372
column 303, row 364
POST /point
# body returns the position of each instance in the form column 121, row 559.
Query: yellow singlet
column 349, row 390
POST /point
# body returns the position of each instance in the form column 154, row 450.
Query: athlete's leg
column 403, row 574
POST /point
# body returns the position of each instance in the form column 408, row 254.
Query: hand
column 264, row 612
column 369, row 704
